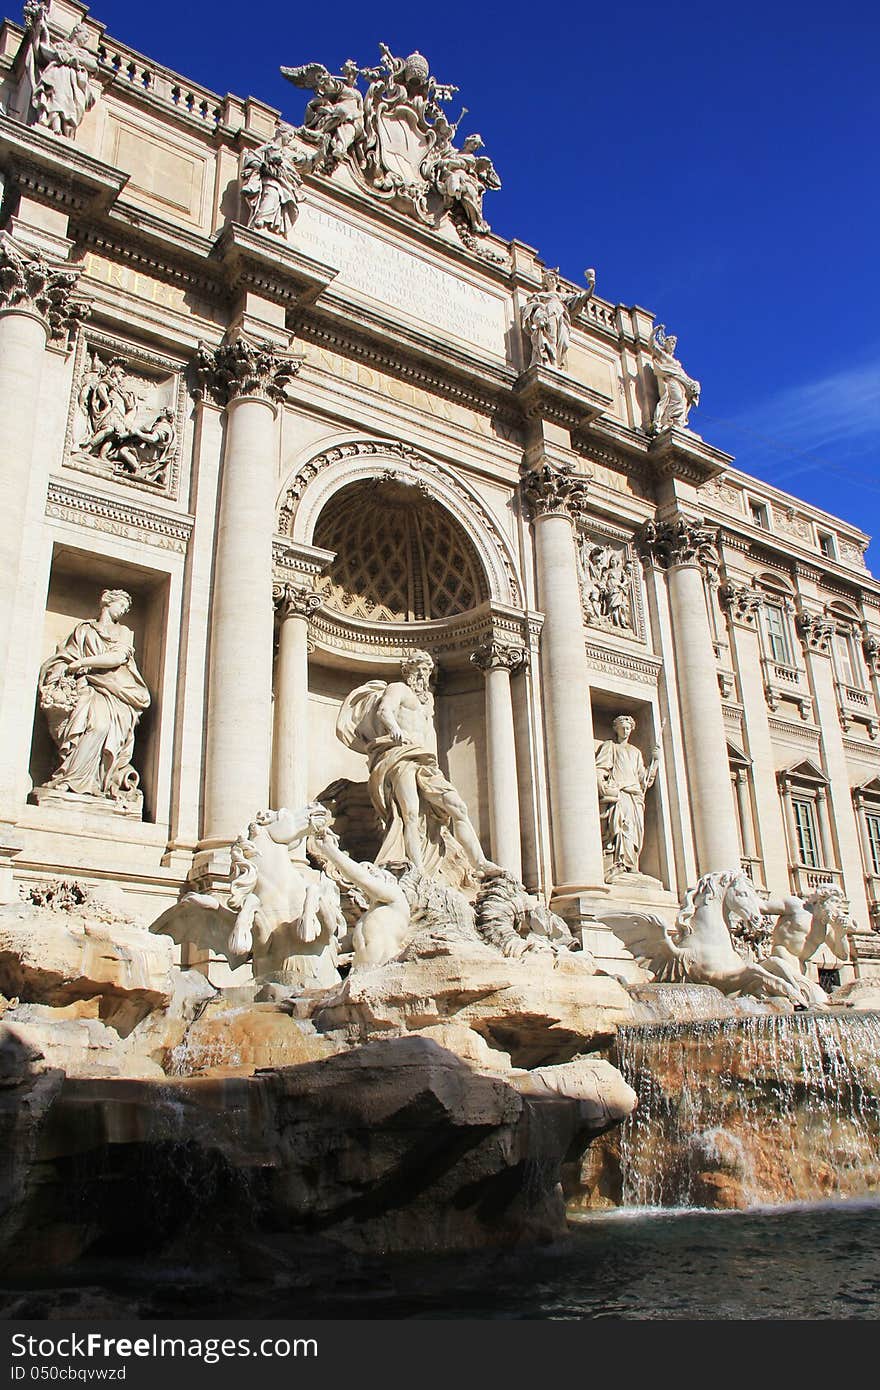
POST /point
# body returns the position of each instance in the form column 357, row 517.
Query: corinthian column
column 248, row 378
column 295, row 604
column 498, row 660
column 34, row 297
column 687, row 550
column 554, row 497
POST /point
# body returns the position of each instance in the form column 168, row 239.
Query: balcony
column 856, row 705
column 783, row 682
column 805, row 880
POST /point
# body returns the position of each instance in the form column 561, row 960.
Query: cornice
column 118, row 516
column 266, row 264
column 544, row 393
column 53, row 170
column 677, row 453
column 623, row 663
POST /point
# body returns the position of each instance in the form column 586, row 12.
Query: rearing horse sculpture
column 698, row 948
column 282, row 915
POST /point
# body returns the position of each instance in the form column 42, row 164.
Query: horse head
column 288, row 827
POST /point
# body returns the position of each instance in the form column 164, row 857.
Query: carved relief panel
column 126, row 414
column 610, row 591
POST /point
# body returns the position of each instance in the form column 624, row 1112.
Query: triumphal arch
column 278, row 409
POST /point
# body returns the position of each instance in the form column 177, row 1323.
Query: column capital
column 742, row 602
column 871, row 648
column 682, row 541
column 30, row 284
column 244, row 366
column 816, row 632
column 552, row 489
column 295, row 601
column 494, row 655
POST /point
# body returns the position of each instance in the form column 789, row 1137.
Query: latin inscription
column 425, row 293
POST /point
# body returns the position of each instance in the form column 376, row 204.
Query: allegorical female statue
column 623, row 781
column 93, row 696
column 271, row 183
column 546, row 319
column 60, row 71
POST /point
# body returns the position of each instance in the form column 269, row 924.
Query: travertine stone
column 498, row 661
column 294, row 604
column 742, row 601
column 623, row 782
column 245, row 368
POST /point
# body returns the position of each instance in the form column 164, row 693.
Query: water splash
column 741, row 1112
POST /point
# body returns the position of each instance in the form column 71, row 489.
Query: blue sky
column 717, row 165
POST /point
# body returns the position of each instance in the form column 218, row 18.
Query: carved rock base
column 132, row 807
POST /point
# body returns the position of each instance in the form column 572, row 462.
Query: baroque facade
column 279, row 407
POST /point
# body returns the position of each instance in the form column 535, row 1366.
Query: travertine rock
column 75, row 1045
column 604, row 1096
column 231, row 1042
column 54, row 958
column 861, row 994
column 541, row 1009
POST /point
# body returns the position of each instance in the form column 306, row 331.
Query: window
column 872, row 822
column 807, row 837
column 846, row 665
column 777, row 634
column 826, row 545
column 758, row 513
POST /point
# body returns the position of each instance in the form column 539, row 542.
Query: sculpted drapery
column 623, row 780
column 93, row 696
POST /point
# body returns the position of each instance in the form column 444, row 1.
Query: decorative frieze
column 742, row 602
column 126, row 414
column 295, row 601
column 161, row 530
column 30, row 284
column 816, row 632
column 244, row 367
column 685, row 541
column 494, row 654
column 554, row 490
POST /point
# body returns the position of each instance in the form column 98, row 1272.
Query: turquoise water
column 808, row 1262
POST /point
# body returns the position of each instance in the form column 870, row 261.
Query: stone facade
column 329, row 438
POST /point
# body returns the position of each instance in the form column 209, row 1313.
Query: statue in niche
column 606, row 581
column 461, row 177
column 93, row 695
column 60, row 72
column 334, row 119
column 623, row 781
column 111, row 407
column 546, row 319
column 271, row 183
column 426, row 821
column 284, row 917
column 678, row 391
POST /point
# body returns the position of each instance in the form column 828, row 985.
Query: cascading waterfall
column 737, row 1112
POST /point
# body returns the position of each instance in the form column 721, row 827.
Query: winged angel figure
column 699, row 948
column 284, row 916
column 334, row 119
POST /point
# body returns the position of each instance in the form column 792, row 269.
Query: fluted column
column 686, row 549
column 34, row 298
column 249, row 378
column 498, row 660
column 294, row 604
column 554, row 497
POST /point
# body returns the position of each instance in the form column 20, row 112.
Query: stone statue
column 461, row 177
column 623, row 781
column 283, row 916
column 110, row 406
column 425, row 819
column 802, row 926
column 271, row 183
column 699, row 947
column 546, row 319
column 515, row 922
column 334, row 119
column 678, row 391
column 381, row 931
column 93, row 695
column 60, row 71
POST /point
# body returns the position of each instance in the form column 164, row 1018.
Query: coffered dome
column 400, row 556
